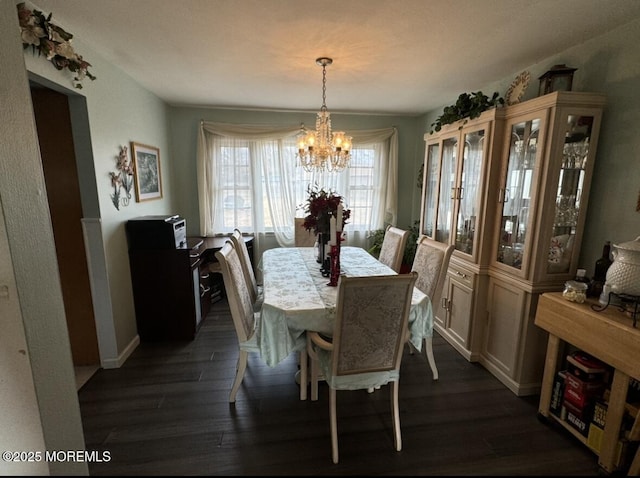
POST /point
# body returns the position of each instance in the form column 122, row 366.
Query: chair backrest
column 431, row 263
column 237, row 292
column 303, row 238
column 245, row 261
column 393, row 245
column 372, row 313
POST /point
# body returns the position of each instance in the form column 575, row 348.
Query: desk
column 608, row 336
column 212, row 244
column 210, row 273
column 297, row 298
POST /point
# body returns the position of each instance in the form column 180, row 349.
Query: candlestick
column 339, row 218
column 334, row 273
column 332, row 231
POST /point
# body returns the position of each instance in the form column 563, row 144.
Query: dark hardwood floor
column 166, row 412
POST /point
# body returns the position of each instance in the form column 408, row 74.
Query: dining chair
column 246, row 321
column 393, row 245
column 255, row 291
column 257, row 298
column 431, row 262
column 303, row 238
column 365, row 351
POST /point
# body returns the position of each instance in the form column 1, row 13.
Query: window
column 236, row 188
column 359, row 192
column 256, row 185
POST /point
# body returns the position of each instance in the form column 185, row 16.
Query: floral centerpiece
column 320, row 206
column 52, row 41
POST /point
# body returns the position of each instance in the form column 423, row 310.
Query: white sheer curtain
column 256, row 166
column 268, row 150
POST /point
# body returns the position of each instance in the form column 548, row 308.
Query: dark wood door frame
column 53, row 122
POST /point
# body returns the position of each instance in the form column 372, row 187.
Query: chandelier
column 321, row 149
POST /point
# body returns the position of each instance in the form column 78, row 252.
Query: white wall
column 119, row 111
column 39, row 406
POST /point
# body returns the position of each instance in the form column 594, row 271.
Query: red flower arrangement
column 319, row 208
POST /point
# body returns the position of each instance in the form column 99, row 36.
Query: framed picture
column 146, row 167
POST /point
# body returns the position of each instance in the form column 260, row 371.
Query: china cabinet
column 454, row 211
column 545, row 174
column 510, row 190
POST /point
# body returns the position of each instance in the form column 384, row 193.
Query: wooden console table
column 608, row 335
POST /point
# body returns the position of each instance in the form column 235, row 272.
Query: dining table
column 298, row 298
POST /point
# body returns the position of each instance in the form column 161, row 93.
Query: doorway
column 55, row 136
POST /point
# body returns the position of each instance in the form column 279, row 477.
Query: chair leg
column 303, row 374
column 395, row 413
column 334, row 424
column 240, row 368
column 313, row 357
column 428, row 350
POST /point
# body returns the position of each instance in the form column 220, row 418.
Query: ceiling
column 395, row 57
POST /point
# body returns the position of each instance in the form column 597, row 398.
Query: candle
column 339, row 218
column 332, row 231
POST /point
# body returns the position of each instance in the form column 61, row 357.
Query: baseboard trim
column 123, row 356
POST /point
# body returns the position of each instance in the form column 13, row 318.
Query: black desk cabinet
column 167, row 293
column 173, row 288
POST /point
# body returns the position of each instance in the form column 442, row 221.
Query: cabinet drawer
column 463, row 276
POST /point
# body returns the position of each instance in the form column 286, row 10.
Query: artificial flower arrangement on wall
column 122, row 179
column 52, row 41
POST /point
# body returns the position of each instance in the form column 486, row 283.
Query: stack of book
column 584, row 383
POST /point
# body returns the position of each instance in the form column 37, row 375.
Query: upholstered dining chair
column 365, row 351
column 245, row 320
column 303, row 238
column 431, row 262
column 255, row 291
column 393, row 245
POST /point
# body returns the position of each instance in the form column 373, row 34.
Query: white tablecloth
column 297, row 298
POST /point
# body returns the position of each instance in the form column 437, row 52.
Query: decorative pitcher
column 624, row 274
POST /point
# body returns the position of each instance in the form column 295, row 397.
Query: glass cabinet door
column 448, row 192
column 430, row 185
column 515, row 195
column 470, row 190
column 574, row 161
